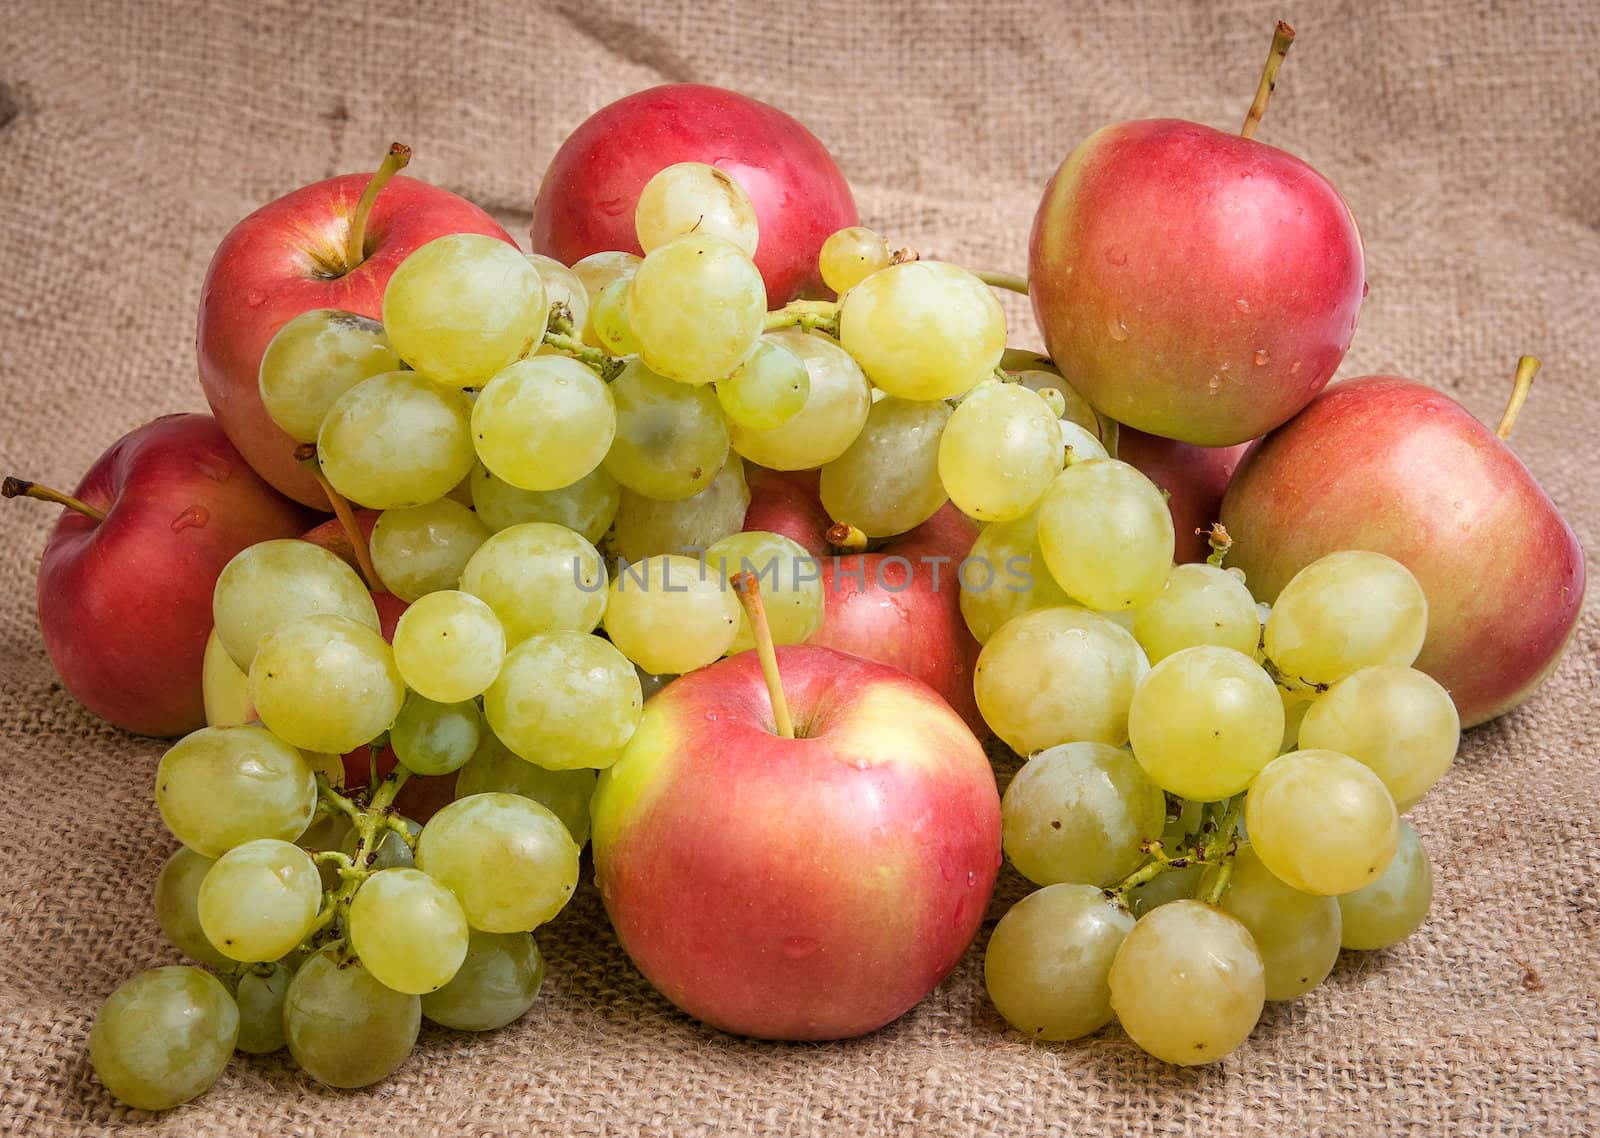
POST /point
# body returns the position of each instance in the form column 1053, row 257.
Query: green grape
column 671, row 438
column 1397, row 720
column 271, row 582
column 544, row 423
column 177, row 902
column 1297, row 934
column 1058, row 675
column 538, row 577
column 1199, row 604
column 260, row 899
column 790, row 580
column 1204, row 721
column 696, row 306
column 1001, row 449
column 767, row 390
column 562, row 286
column 1078, row 813
column 1075, row 409
column 326, row 832
column 851, row 255
column 1188, row 984
column 391, row 850
column 645, row 527
column 435, row 738
column 1391, row 908
column 396, row 440
column 343, row 1027
column 609, row 323
column 1106, row 534
column 423, row 549
column 462, row 307
column 496, row 984
column 219, row 787
column 535, row 860
column 326, row 683
column 597, row 271
column 587, row 507
column 1173, row 885
column 565, row 699
column 408, row 930
column 1343, row 612
column 833, row 415
column 1321, row 822
column 1004, row 576
column 692, row 197
column 448, row 646
column 1295, row 706
column 494, row 769
column 923, row 329
column 163, row 1037
column 260, row 1001
column 314, row 359
column 669, row 615
column 887, row 480
column 1048, row 962
column 1079, row 444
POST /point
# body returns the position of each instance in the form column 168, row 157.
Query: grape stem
column 608, row 367
column 22, row 488
column 1221, row 847
column 1214, row 845
column 1219, row 541
column 845, row 538
column 306, row 455
column 808, row 315
column 378, row 814
column 749, row 590
column 1011, row 282
column 355, row 248
column 1527, row 368
column 1282, row 37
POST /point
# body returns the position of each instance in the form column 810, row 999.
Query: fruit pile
column 596, row 522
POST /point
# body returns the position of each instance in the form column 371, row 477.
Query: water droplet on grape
column 799, row 947
column 1261, row 357
column 1117, row 329
column 194, row 517
column 1117, row 255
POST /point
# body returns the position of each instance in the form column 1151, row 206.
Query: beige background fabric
column 1467, row 140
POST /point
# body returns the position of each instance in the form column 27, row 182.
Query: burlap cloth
column 1468, row 144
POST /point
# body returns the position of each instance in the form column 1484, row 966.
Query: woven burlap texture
column 1467, row 140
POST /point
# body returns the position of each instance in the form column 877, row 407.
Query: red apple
column 806, row 888
column 1193, row 478
column 125, row 602
column 1390, row 465
column 585, row 203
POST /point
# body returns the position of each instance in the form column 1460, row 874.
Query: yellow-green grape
column 1321, row 822
column 1000, row 450
column 219, row 787
column 396, row 440
column 408, row 930
column 326, row 683
column 768, row 389
column 1058, row 675
column 1204, row 722
column 609, row 323
column 177, row 904
column 535, row 860
column 1398, row 721
column 1106, row 534
column 1188, row 985
column 1048, row 962
column 314, row 359
column 435, row 738
column 832, row 417
column 495, row 769
column 1297, row 934
column 462, row 307
column 887, row 480
column 923, row 329
column 544, row 423
column 272, row 582
column 562, row 286
column 1038, row 374
column 565, row 699
column 1343, row 612
column 326, row 832
column 586, row 507
column 259, row 997
column 671, row 437
column 343, row 1027
column 671, row 615
column 790, row 580
column 1296, row 704
column 1199, row 604
column 164, row 1037
column 596, row 271
column 1394, row 906
column 449, row 646
column 538, row 577
column 645, row 527
column 390, row 849
column 1079, row 444
column 497, row 982
column 692, row 197
column 260, row 899
column 1004, row 576
column 696, row 306
column 1078, row 813
column 423, row 549
column 1173, row 885
column 851, row 255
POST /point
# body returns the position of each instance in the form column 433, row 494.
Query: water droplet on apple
column 256, row 299
column 960, row 912
column 800, row 947
column 861, row 764
column 193, row 517
column 214, row 467
column 1242, row 304
column 1459, row 505
column 1117, row 255
column 1365, row 288
column 1214, row 384
column 612, row 207
column 1261, row 357
column 947, row 867
column 1294, row 367
column 972, row 878
column 1117, row 329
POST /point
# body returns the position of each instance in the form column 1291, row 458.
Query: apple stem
column 1012, row 282
column 749, row 590
column 1527, row 368
column 21, row 488
column 1282, row 37
column 355, row 249
column 845, row 538
column 306, row 453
